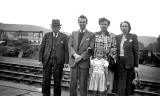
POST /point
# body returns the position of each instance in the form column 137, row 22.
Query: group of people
column 89, row 56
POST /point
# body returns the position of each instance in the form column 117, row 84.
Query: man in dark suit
column 128, row 49
column 53, row 54
column 79, row 57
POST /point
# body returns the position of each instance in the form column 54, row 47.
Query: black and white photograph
column 79, row 48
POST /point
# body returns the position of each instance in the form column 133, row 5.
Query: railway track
column 32, row 75
column 27, row 74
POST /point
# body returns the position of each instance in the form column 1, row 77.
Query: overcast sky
column 142, row 14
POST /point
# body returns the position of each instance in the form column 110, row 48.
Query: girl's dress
column 98, row 78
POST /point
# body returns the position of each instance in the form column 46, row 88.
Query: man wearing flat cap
column 53, row 54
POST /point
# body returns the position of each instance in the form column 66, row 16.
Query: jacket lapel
column 76, row 39
column 120, row 39
column 50, row 38
column 85, row 36
column 127, row 38
column 58, row 38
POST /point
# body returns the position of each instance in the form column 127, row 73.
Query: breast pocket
column 86, row 43
column 61, row 43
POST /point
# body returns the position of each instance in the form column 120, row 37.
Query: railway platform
column 8, row 88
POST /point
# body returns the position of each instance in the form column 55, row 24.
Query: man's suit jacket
column 131, row 50
column 61, row 48
column 73, row 48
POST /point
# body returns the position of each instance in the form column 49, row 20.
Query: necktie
column 55, row 34
column 80, row 38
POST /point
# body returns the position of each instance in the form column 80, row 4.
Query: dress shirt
column 82, row 31
column 121, row 45
column 55, row 35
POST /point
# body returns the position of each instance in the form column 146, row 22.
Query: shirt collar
column 82, row 30
column 123, row 35
column 98, row 59
column 105, row 33
column 56, row 35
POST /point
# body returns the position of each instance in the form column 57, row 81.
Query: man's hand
column 77, row 58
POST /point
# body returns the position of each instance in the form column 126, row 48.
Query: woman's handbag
column 137, row 84
column 112, row 64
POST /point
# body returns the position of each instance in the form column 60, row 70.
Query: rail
column 31, row 74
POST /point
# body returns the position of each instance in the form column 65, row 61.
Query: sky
column 142, row 14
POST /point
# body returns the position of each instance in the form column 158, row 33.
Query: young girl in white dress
column 99, row 76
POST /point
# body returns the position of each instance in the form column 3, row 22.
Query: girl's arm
column 91, row 67
column 106, row 75
column 106, row 64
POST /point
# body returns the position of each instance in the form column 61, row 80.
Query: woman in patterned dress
column 103, row 44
